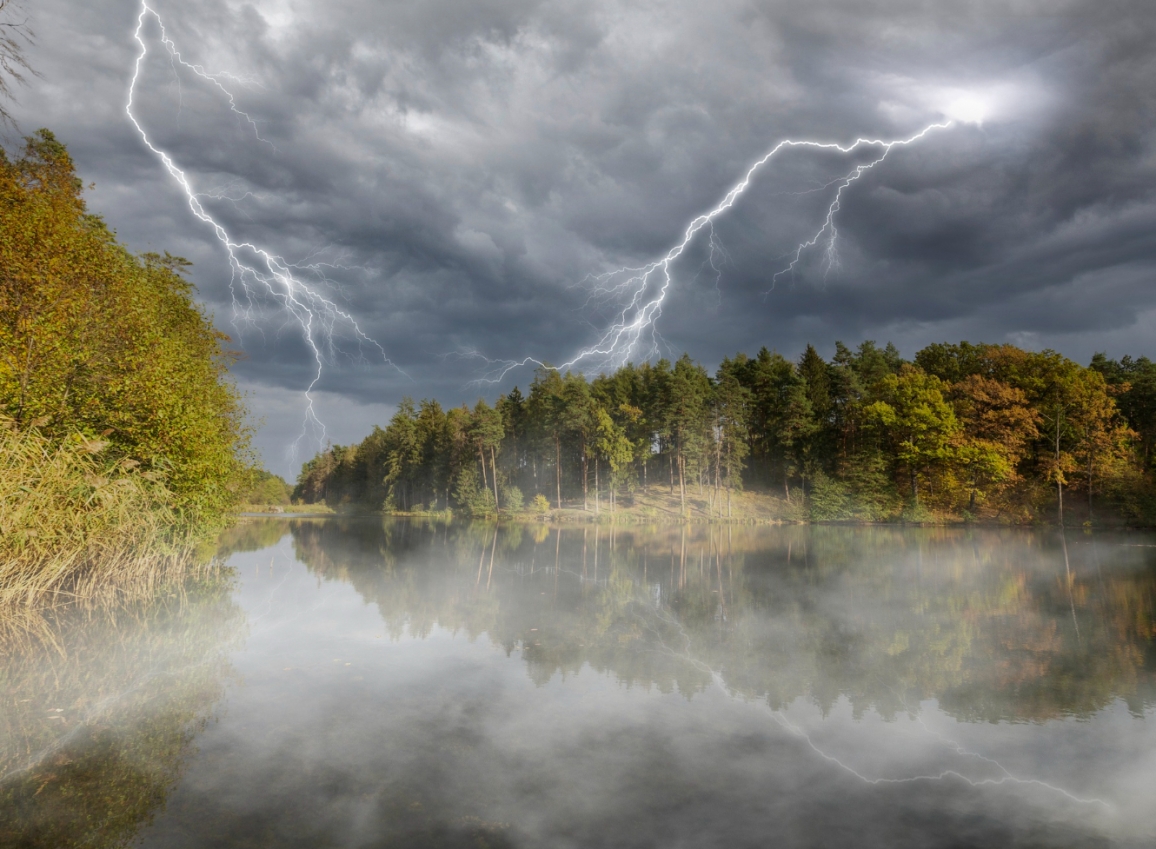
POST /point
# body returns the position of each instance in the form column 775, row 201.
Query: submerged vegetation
column 962, row 432
column 122, row 437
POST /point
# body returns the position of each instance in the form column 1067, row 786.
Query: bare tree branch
column 15, row 36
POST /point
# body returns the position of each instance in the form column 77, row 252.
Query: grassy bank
column 76, row 523
column 285, row 509
column 657, row 505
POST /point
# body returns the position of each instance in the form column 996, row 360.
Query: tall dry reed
column 78, row 524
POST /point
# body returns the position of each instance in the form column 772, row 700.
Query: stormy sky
column 455, row 175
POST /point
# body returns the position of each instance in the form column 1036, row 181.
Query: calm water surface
column 409, row 684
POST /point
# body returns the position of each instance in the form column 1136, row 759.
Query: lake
column 381, row 683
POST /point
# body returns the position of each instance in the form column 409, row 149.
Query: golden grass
column 75, row 524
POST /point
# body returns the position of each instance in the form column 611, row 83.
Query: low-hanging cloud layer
column 459, row 173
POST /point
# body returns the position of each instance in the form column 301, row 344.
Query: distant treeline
column 965, row 430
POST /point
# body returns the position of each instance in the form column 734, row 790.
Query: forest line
column 961, row 431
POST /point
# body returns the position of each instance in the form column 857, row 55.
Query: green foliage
column 512, row 498
column 986, row 432
column 921, row 426
column 612, row 446
column 267, row 489
column 96, row 341
column 830, row 500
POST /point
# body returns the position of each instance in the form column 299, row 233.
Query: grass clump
column 76, row 522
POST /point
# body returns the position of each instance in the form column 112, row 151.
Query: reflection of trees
column 989, row 623
column 100, row 708
column 250, row 535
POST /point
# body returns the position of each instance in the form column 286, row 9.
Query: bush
column 917, row 514
column 481, row 504
column 511, row 498
column 830, row 499
column 267, row 489
column 541, row 504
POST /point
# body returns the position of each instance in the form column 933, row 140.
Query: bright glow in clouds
column 255, row 269
column 993, row 102
column 968, row 109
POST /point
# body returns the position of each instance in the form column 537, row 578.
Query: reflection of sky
column 337, row 734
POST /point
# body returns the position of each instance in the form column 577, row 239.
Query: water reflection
column 406, row 683
column 423, row 684
column 993, row 625
column 100, row 708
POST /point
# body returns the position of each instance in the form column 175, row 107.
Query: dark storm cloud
column 460, row 168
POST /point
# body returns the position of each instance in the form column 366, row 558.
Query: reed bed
column 78, row 524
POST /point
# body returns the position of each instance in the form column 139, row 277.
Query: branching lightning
column 641, row 291
column 1005, row 776
column 255, row 269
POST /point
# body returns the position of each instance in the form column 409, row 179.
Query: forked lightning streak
column 642, row 290
column 254, row 268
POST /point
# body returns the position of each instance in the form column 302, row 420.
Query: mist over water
column 400, row 683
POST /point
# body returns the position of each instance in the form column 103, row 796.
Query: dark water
column 369, row 684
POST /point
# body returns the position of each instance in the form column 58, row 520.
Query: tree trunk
column 718, row 474
column 682, row 482
column 728, row 485
column 597, row 503
column 558, row 467
column 1059, row 473
column 585, row 468
column 1089, row 485
column 494, row 469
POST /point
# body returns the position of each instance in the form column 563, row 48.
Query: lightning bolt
column 780, row 718
column 255, row 269
column 642, row 290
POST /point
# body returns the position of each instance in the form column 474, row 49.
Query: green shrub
column 830, row 499
column 917, row 514
column 267, row 489
column 512, row 499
